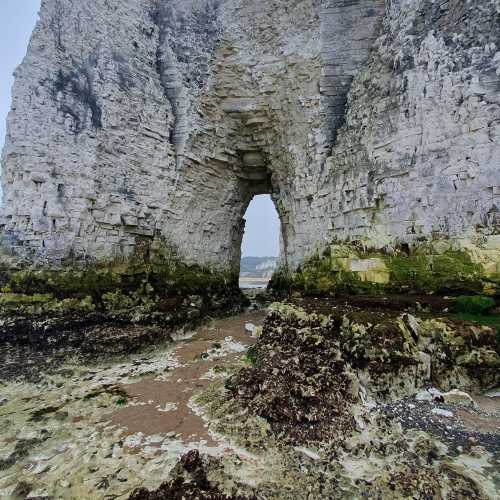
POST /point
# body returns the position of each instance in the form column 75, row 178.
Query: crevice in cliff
column 348, row 32
column 182, row 73
column 57, row 24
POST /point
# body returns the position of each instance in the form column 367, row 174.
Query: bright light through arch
column 262, row 229
column 261, row 241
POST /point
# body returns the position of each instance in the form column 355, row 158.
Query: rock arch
column 155, row 122
column 198, row 113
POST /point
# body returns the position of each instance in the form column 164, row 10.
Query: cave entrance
column 260, row 247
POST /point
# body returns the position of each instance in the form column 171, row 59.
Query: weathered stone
column 458, row 397
column 250, row 328
column 366, row 121
column 442, row 413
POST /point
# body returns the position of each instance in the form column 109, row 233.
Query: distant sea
column 249, row 283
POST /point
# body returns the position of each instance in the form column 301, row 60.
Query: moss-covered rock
column 428, row 268
column 44, row 307
column 114, row 286
column 475, row 304
column 18, row 304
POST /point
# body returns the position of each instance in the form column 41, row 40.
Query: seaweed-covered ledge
column 343, row 402
column 108, row 308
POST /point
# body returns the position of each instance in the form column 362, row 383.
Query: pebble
column 424, row 395
column 423, row 418
column 442, row 413
column 495, row 393
column 250, row 328
column 430, row 394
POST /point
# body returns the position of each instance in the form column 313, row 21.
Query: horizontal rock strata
column 142, row 121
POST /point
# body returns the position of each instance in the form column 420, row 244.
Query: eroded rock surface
column 342, row 398
column 309, row 370
column 90, row 428
column 307, row 408
column 189, row 481
column 139, row 132
column 140, row 121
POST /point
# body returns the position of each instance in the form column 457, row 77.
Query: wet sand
column 161, row 406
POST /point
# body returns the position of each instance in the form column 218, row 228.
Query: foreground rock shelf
column 139, row 133
column 334, row 399
column 72, row 434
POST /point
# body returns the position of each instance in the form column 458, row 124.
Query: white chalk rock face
column 420, row 154
column 136, row 121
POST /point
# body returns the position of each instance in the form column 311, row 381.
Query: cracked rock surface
column 137, row 121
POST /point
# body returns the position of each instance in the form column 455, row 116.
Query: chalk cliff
column 140, row 121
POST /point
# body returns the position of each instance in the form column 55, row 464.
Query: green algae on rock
column 121, row 283
column 475, row 305
column 425, row 268
column 110, row 308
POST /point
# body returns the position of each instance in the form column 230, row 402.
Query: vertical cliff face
column 256, row 129
column 419, row 156
column 88, row 161
column 139, row 120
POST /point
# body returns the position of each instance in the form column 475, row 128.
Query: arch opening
column 261, row 242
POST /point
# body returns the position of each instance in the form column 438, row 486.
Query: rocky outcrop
column 340, row 400
column 189, row 480
column 438, row 267
column 310, row 367
column 188, row 94
column 136, row 122
column 104, row 311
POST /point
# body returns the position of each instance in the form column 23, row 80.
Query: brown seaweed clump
column 308, row 372
column 189, row 481
column 297, row 381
